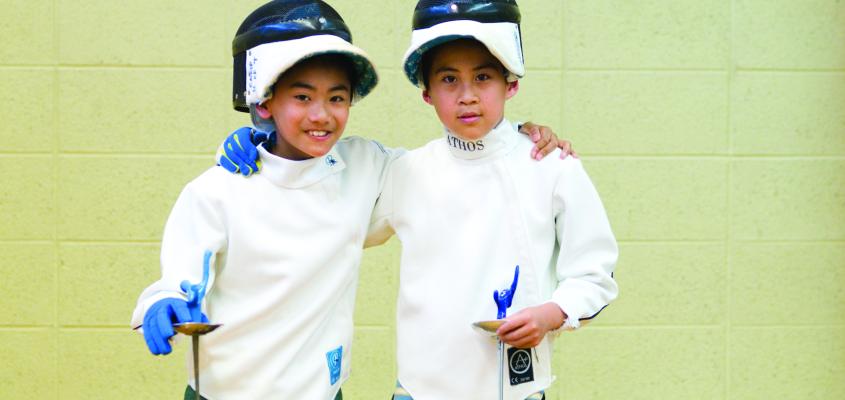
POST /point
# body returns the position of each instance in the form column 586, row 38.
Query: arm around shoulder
column 380, row 230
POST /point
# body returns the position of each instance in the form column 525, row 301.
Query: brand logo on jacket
column 334, row 358
column 459, row 144
column 520, row 366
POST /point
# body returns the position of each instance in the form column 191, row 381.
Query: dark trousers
column 190, row 394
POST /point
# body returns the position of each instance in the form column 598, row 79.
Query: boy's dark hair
column 333, row 59
column 428, row 59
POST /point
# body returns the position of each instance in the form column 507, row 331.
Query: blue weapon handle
column 501, row 311
column 504, row 299
column 196, row 293
column 513, row 286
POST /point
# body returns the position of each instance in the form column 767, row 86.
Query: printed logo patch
column 251, row 73
column 519, row 365
column 517, row 37
column 334, row 359
column 459, row 144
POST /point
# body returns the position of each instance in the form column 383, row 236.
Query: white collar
column 493, row 144
column 294, row 174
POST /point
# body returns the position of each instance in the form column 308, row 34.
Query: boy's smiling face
column 467, row 87
column 310, row 107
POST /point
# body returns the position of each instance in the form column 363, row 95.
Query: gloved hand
column 238, row 151
column 159, row 320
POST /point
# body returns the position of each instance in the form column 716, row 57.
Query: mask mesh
column 281, row 11
column 423, row 4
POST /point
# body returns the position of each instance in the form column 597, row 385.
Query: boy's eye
column 482, row 77
column 338, row 99
column 449, row 79
column 301, row 97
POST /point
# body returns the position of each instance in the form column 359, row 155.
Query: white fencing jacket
column 467, row 213
column 287, row 245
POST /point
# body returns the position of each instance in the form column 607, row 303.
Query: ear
column 513, row 87
column 263, row 112
column 426, row 97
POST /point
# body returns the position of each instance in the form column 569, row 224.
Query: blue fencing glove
column 238, row 152
column 159, row 320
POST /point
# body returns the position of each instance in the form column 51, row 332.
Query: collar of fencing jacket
column 494, row 144
column 298, row 174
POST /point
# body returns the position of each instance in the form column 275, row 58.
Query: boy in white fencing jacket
column 285, row 267
column 469, row 207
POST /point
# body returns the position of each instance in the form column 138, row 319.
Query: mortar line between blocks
column 790, row 326
column 834, row 71
column 712, row 157
column 588, row 70
column 372, row 327
column 43, row 242
column 107, row 242
column 93, row 328
column 27, row 328
column 671, row 242
column 145, row 67
column 56, row 247
column 191, row 156
column 666, row 327
column 716, row 326
column 57, row 64
column 585, row 70
column 789, row 241
column 729, row 203
column 729, row 244
column 734, row 241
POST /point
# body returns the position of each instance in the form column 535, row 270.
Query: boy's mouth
column 469, row 117
column 318, row 134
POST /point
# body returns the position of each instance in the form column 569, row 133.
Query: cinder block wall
column 714, row 130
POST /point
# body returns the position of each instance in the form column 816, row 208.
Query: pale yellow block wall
column 714, row 131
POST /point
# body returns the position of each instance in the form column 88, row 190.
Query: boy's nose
column 318, row 113
column 468, row 95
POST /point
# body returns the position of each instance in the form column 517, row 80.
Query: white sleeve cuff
column 570, row 324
